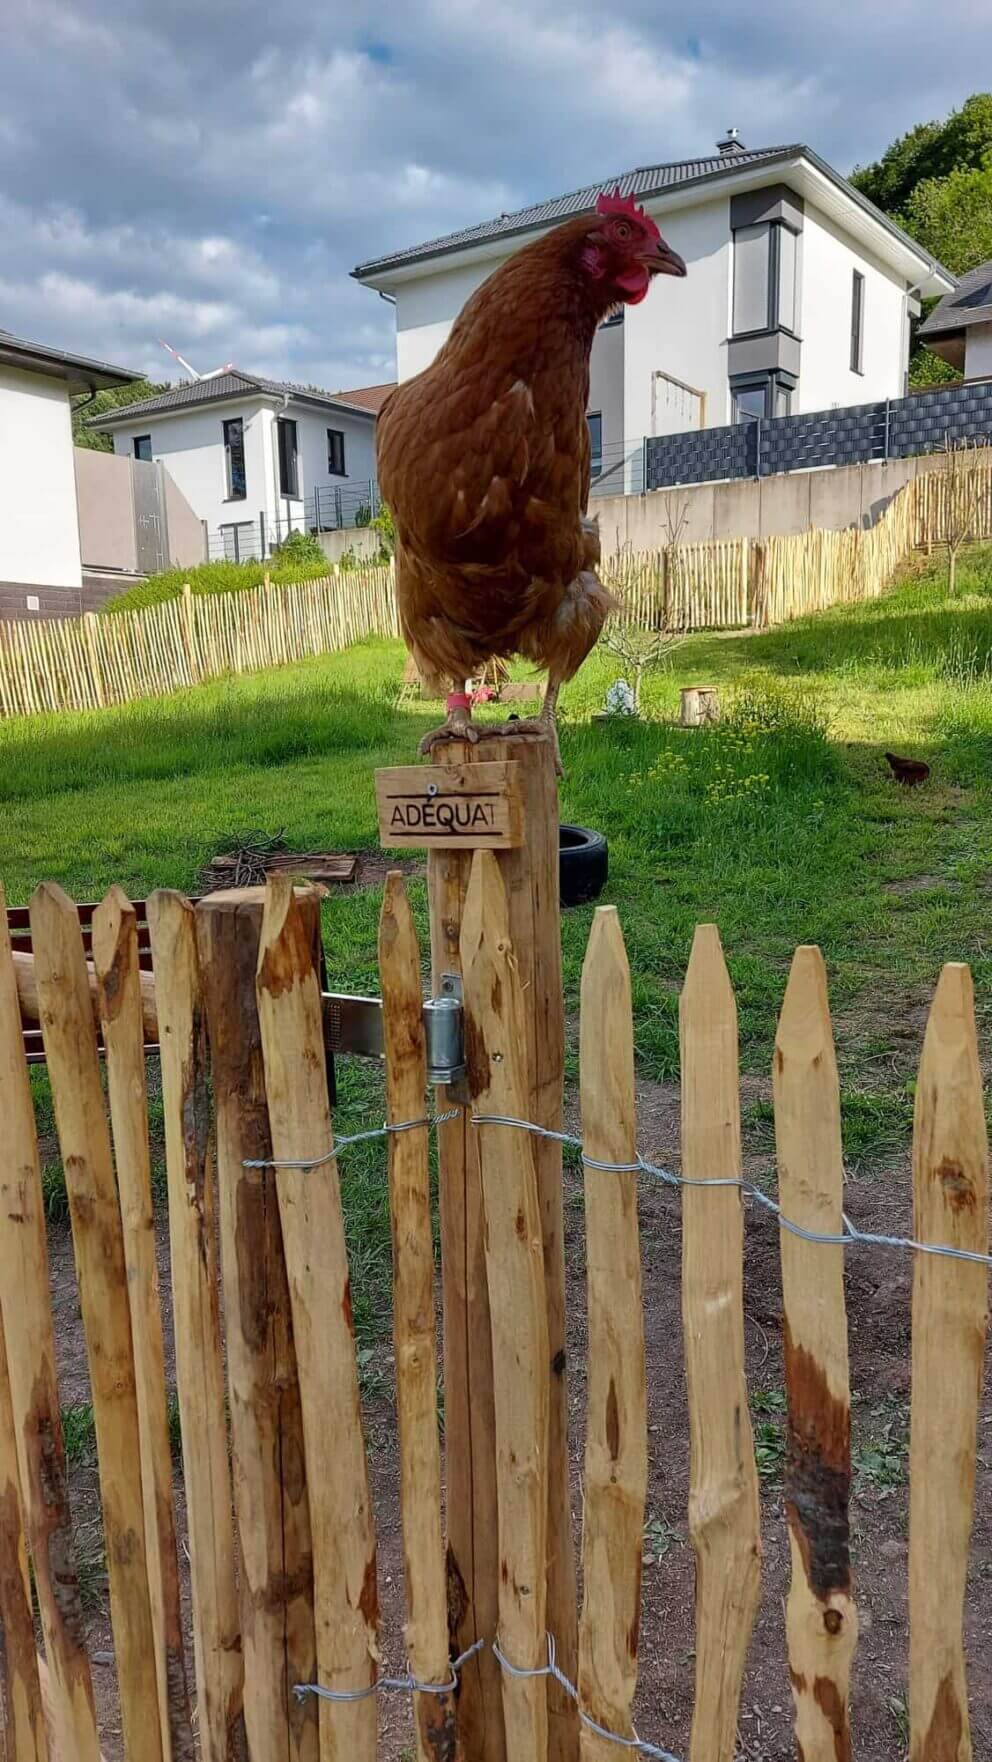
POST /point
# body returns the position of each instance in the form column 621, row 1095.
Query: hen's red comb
column 617, row 204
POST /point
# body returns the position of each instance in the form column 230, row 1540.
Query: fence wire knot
column 406, row 1684
column 553, row 1668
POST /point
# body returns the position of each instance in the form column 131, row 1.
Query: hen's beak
column 662, row 260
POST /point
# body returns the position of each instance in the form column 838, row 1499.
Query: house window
column 765, row 278
column 761, row 395
column 595, row 443
column 857, row 322
column 143, row 446
column 234, row 459
column 289, row 477
column 335, row 453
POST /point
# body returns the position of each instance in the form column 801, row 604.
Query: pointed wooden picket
column 950, row 1305
column 413, row 1325
column 821, row 1618
column 723, row 1479
column 192, row 1185
column 346, row 1607
column 616, row 1464
column 496, row 1043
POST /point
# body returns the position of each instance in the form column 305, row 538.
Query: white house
column 257, row 458
column 798, row 297
column 959, row 329
column 40, row 566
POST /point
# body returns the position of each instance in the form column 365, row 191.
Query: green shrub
column 219, row 577
column 301, row 547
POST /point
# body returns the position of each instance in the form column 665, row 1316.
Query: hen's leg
column 458, row 724
column 540, row 727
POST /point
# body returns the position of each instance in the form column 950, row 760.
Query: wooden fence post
column 950, row 1317
column 115, row 962
column 617, row 1425
column 821, row 1618
column 25, row 1297
column 24, row 1717
column 191, row 1174
column 98, row 1245
column 723, row 1479
column 273, row 1520
column 88, row 625
column 530, row 875
column 413, row 1324
column 346, row 1603
column 495, row 1044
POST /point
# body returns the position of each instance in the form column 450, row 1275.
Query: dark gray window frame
column 775, row 228
column 771, row 382
column 858, row 321
column 289, row 462
column 336, row 434
column 591, row 417
column 139, row 441
column 230, row 424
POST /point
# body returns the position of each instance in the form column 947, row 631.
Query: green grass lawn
column 782, row 825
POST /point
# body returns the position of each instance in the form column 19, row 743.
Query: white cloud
column 212, row 175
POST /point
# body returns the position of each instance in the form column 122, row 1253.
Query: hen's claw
column 450, row 730
column 526, row 728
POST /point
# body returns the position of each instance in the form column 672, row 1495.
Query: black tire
column 583, row 865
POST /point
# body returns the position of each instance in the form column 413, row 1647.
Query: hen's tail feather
column 562, row 642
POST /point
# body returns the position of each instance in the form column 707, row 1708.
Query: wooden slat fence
column 291, row 1505
column 86, row 663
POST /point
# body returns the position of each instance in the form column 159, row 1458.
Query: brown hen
column 484, row 461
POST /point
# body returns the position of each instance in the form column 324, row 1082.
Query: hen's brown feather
column 484, row 461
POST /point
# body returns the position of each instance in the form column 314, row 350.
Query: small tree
column 965, row 474
column 637, row 650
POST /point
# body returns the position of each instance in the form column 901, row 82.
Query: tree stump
column 698, row 704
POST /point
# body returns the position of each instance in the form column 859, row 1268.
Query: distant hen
column 909, row 772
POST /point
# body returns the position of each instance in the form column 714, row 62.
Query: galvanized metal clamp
column 353, row 1027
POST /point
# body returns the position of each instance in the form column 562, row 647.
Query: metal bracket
column 353, row 1026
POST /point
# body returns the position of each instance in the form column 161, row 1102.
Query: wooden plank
column 192, row 1184
column 950, row 1301
column 469, row 1415
column 26, row 978
column 84, row 1139
column 23, row 1717
column 821, row 1617
column 413, row 1324
column 448, row 806
column 276, row 1575
column 25, row 1298
column 723, row 1480
column 616, row 1468
column 344, row 1562
column 495, row 1038
column 115, row 961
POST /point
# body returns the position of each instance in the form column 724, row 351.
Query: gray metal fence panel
column 894, row 428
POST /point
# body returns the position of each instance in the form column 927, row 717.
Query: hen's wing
column 485, row 470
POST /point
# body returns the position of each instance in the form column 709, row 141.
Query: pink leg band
column 459, row 700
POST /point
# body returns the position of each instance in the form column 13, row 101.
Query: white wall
column 606, row 393
column 682, row 326
column 359, row 452
column 977, row 350
column 826, row 379
column 191, row 443
column 39, row 530
column 427, row 308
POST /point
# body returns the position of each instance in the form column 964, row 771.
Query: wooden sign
column 449, row 807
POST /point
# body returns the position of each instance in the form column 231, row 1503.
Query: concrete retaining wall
column 851, row 495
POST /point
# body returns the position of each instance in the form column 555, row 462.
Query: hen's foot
column 457, row 727
column 525, row 728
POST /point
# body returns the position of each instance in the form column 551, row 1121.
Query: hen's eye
column 622, row 230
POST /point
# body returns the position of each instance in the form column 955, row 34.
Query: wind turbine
column 214, row 373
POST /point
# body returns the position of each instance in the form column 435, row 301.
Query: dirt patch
column 375, row 865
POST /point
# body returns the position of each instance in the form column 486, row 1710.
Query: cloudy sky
column 208, row 171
